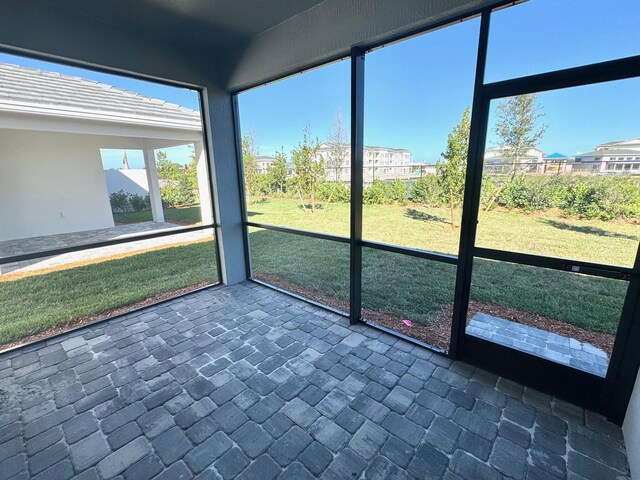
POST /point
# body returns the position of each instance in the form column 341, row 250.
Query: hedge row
column 602, row 197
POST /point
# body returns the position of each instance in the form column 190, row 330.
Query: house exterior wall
column 51, row 183
column 133, row 181
column 631, row 431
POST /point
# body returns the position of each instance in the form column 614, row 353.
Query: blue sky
column 416, row 90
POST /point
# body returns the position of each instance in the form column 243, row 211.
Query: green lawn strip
column 419, row 289
column 33, row 304
column 187, row 215
column 414, row 226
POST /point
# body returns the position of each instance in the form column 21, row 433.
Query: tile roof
column 29, row 87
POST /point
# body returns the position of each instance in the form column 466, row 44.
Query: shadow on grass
column 423, row 216
column 253, row 214
column 587, row 229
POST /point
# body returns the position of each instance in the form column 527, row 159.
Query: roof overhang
column 16, row 116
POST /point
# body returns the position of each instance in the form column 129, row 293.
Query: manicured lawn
column 186, row 215
column 429, row 229
column 33, row 304
column 403, row 286
column 419, row 289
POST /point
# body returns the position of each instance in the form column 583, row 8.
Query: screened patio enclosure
column 377, row 275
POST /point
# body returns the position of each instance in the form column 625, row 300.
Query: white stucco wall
column 51, row 183
column 133, row 181
column 631, row 430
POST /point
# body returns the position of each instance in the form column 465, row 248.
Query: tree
column 452, row 167
column 337, row 146
column 166, row 169
column 277, row 172
column 518, row 128
column 191, row 171
column 309, row 168
column 251, row 179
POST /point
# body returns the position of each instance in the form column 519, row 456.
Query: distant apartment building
column 621, row 157
column 263, row 162
column 379, row 163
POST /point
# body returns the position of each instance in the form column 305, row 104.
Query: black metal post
column 357, row 145
column 625, row 357
column 477, row 138
column 243, row 198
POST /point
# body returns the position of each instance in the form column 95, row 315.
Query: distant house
column 621, row 157
column 495, row 161
column 556, row 163
column 52, row 128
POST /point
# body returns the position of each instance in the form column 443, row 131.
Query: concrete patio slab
column 51, row 242
column 549, row 345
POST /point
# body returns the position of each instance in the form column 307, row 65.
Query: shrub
column 119, row 201
column 139, row 203
column 604, row 198
column 398, row 191
column 426, row 190
column 378, row 193
column 334, row 192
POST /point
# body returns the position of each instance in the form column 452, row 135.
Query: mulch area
column 90, row 319
column 438, row 333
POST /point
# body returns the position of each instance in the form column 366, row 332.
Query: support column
column 154, row 186
column 204, row 189
column 219, row 124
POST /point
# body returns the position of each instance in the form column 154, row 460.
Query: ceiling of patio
column 233, row 44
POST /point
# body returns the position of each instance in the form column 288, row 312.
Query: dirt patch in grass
column 90, row 319
column 438, row 332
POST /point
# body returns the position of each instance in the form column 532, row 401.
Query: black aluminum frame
column 608, row 395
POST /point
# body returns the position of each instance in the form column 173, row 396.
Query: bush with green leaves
column 119, row 201
column 178, row 193
column 122, row 201
column 334, row 192
column 427, row 191
column 139, row 203
column 378, row 193
column 398, row 191
column 600, row 197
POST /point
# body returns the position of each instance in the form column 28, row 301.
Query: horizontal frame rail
column 412, row 252
column 609, row 71
column 106, row 243
column 295, row 231
column 574, row 266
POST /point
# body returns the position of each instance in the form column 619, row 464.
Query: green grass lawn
column 419, row 289
column 186, row 215
column 33, row 304
column 429, row 229
column 407, row 287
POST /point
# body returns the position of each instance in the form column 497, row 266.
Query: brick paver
column 244, row 382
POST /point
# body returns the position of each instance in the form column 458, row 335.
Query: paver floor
column 244, row 382
column 549, row 345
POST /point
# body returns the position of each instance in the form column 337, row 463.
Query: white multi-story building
column 379, row 163
column 621, row 157
column 263, row 162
